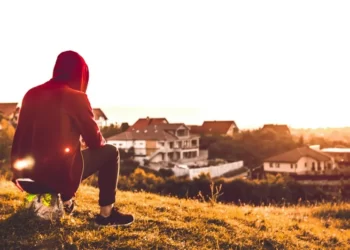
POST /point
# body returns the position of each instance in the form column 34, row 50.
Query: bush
column 166, row 172
column 128, row 166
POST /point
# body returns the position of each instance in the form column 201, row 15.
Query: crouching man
column 46, row 147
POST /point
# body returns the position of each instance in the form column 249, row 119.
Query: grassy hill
column 171, row 223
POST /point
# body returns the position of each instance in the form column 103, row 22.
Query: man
column 46, row 146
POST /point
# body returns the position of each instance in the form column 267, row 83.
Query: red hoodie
column 52, row 118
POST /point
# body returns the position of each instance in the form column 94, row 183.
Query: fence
column 214, row 171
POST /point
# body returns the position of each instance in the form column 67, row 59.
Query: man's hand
column 82, row 144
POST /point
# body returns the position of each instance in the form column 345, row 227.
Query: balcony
column 176, row 147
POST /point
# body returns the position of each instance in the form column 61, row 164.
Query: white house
column 159, row 143
column 299, row 161
column 100, row 117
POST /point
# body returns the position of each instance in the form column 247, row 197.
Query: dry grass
column 171, row 223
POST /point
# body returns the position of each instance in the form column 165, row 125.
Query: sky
column 255, row 62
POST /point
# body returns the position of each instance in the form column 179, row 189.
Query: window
column 181, row 132
column 291, row 165
column 171, row 144
column 306, row 164
column 271, row 165
column 319, row 166
column 277, row 165
column 329, row 165
column 313, row 166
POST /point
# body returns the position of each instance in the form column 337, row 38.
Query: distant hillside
column 170, row 223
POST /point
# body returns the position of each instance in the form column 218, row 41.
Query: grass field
column 171, row 223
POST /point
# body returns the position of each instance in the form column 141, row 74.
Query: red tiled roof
column 8, row 108
column 148, row 133
column 144, row 122
column 281, row 128
column 294, row 155
column 196, row 129
column 99, row 113
column 170, row 126
column 217, row 127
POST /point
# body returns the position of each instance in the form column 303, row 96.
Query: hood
column 71, row 69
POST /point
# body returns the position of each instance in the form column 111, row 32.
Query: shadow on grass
column 23, row 230
column 341, row 213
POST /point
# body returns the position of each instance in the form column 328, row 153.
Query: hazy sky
column 254, row 62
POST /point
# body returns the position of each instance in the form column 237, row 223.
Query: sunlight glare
column 26, row 163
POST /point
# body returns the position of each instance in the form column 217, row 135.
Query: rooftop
column 151, row 132
column 99, row 113
column 292, row 156
column 144, row 122
column 7, row 108
column 213, row 127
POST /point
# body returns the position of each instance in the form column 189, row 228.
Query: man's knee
column 112, row 151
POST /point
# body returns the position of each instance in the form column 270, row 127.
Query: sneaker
column 68, row 209
column 115, row 219
column 45, row 206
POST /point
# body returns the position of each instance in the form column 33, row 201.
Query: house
column 10, row 111
column 341, row 157
column 228, row 128
column 167, row 142
column 302, row 160
column 100, row 117
column 144, row 122
column 278, row 128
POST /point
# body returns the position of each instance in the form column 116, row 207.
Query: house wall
column 101, row 122
column 231, row 130
column 139, row 145
column 280, row 167
column 158, row 151
column 151, row 147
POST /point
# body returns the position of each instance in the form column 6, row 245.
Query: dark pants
column 106, row 162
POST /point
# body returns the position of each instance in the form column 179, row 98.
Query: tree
column 250, row 146
column 5, row 145
column 131, row 152
column 124, row 126
column 108, row 131
column 301, row 141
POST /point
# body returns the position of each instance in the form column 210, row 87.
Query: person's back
column 46, row 146
column 50, row 123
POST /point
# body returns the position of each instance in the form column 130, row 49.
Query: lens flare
column 67, row 150
column 26, row 163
